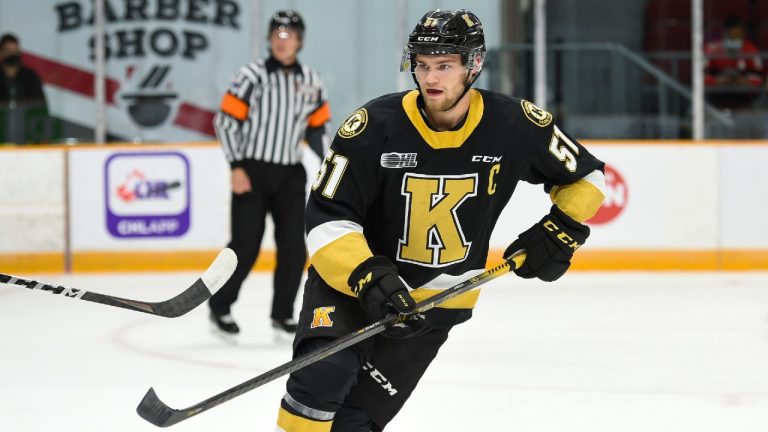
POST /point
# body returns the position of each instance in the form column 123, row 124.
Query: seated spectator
column 22, row 100
column 734, row 73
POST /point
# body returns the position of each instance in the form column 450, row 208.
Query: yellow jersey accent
column 464, row 301
column 336, row 260
column 445, row 139
column 292, row 423
column 427, row 218
column 580, row 200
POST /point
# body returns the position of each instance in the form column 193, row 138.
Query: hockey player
column 404, row 206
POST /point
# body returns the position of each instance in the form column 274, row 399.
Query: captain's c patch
column 536, row 115
column 354, row 124
column 321, row 317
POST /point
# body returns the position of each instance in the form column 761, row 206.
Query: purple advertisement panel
column 147, row 194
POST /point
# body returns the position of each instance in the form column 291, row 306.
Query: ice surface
column 596, row 352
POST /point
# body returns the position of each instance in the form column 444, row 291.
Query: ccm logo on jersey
column 428, row 38
column 379, row 378
column 486, row 159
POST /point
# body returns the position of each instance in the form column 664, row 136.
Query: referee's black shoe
column 286, row 325
column 224, row 324
column 285, row 329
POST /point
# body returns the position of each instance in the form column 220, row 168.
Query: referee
column 271, row 106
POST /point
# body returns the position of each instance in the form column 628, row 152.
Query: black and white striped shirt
column 268, row 110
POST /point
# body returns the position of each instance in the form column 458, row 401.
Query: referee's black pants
column 279, row 190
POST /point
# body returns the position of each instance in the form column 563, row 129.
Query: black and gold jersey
column 430, row 200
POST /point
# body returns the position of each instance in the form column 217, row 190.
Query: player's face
column 441, row 78
column 285, row 45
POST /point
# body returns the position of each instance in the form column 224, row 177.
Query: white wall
column 31, row 201
column 671, row 197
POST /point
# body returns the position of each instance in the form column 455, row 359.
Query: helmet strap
column 467, row 85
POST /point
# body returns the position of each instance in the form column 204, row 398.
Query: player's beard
column 446, row 103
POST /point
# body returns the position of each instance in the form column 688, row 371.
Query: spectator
column 21, row 90
column 734, row 72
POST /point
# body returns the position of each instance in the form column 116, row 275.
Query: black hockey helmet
column 456, row 31
column 287, row 20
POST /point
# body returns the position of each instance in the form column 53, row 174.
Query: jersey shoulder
column 383, row 107
column 253, row 72
column 520, row 114
column 370, row 122
column 525, row 126
column 311, row 73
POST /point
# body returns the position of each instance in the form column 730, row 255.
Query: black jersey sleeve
column 341, row 195
column 568, row 171
column 557, row 158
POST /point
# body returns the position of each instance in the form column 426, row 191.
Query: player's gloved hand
column 549, row 244
column 381, row 292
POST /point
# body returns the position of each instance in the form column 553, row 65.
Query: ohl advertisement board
column 147, row 194
column 148, row 197
column 167, row 61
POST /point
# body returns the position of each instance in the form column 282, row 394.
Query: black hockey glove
column 381, row 292
column 549, row 245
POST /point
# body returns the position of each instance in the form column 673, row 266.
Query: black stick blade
column 192, row 297
column 204, row 287
column 155, row 411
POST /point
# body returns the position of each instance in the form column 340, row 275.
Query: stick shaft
column 155, row 411
column 210, row 281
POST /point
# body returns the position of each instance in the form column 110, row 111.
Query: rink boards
column 671, row 205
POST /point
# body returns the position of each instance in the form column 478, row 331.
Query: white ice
column 593, row 352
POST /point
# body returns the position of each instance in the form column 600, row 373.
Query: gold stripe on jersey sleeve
column 288, row 422
column 336, row 260
column 464, row 301
column 446, row 139
column 580, row 200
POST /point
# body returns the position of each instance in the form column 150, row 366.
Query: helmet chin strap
column 467, row 85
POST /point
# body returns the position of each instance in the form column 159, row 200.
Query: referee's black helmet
column 287, row 20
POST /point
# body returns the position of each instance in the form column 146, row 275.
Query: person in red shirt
column 734, row 74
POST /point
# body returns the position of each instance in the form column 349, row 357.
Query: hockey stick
column 155, row 411
column 204, row 287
